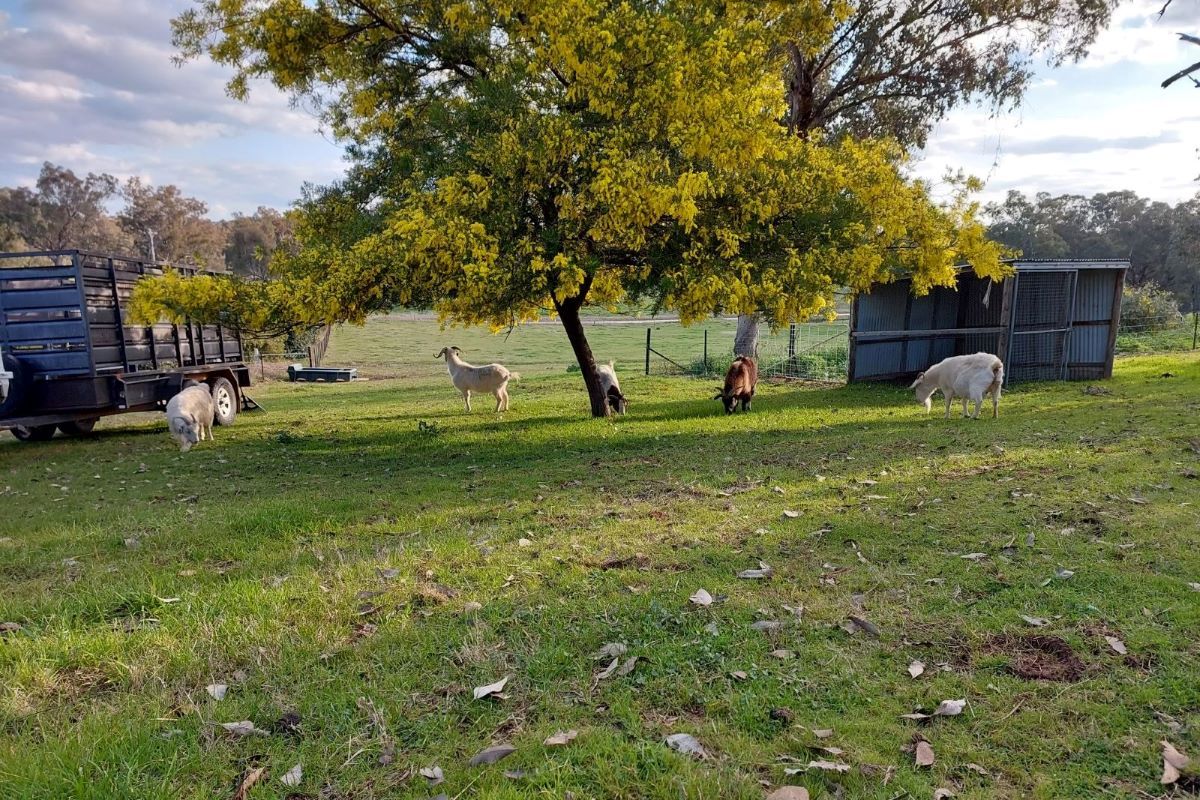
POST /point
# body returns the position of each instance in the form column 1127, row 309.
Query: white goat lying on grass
column 611, row 387
column 190, row 415
column 965, row 377
column 492, row 378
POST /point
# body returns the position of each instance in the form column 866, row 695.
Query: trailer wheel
column 78, row 427
column 14, row 394
column 225, row 401
column 36, row 433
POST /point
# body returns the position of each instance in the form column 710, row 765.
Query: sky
column 90, row 85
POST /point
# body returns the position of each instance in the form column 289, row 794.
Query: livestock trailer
column 1049, row 320
column 73, row 357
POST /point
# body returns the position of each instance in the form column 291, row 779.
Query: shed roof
column 1048, row 264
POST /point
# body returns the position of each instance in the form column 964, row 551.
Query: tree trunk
column 745, row 343
column 568, row 312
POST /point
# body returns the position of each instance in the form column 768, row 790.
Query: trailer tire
column 36, row 433
column 17, row 386
column 225, row 401
column 78, row 427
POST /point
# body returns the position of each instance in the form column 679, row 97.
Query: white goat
column 965, row 377
column 190, row 415
column 611, row 387
column 492, row 378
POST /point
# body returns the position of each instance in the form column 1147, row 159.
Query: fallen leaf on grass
column 1036, row 622
column 924, row 754
column 607, row 671
column 10, row 627
column 491, row 689
column 916, row 669
column 687, row 744
column 433, row 774
column 979, row 769
column 628, row 666
column 864, row 625
column 514, row 774
column 766, row 625
column 1116, row 644
column 789, row 514
column 292, row 777
column 942, row 794
column 777, row 489
column 782, row 655
column 764, row 571
column 828, row 766
column 701, row 598
column 243, row 728
column 523, row 542
column 217, row 690
column 471, row 606
column 609, row 650
column 738, row 675
column 492, row 754
column 561, row 738
column 1174, row 762
column 950, row 708
column 252, row 777
column 974, row 556
column 822, row 733
column 789, row 793
column 1195, row 587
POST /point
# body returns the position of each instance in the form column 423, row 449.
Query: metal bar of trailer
column 116, row 296
column 87, row 325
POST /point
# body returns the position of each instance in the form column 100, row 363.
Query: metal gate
column 1039, row 334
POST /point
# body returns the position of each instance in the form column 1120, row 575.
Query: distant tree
column 252, row 240
column 895, row 68
column 513, row 158
column 168, row 226
column 63, row 211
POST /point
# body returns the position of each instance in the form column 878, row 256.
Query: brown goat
column 740, row 381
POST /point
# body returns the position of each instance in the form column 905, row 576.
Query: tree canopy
column 511, row 159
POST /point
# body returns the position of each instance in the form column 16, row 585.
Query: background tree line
column 66, row 211
column 1161, row 241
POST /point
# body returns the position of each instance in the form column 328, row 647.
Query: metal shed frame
column 1055, row 319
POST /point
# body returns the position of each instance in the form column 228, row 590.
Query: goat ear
column 920, row 377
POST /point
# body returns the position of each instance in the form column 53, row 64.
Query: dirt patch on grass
column 1036, row 657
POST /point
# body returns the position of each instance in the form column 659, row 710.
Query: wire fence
column 1158, row 333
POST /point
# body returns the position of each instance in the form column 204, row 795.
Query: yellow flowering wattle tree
column 527, row 157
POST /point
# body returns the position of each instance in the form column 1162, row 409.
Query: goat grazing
column 966, row 377
column 740, row 380
column 492, row 378
column 190, row 415
column 611, row 387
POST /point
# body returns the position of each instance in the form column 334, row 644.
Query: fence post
column 647, row 351
column 1195, row 314
column 791, row 342
column 706, row 351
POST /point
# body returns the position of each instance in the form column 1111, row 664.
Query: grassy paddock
column 318, row 559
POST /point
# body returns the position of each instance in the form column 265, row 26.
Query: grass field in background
column 322, row 560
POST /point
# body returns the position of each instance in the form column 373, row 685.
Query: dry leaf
column 829, row 766
column 924, row 754
column 764, row 571
column 492, row 688
column 523, row 542
column 916, row 669
column 610, row 650
column 777, row 489
column 628, row 666
column 243, row 728
column 950, row 708
column 10, row 627
column 864, row 625
column 979, row 769
column 1116, row 644
column 687, row 744
column 492, row 754
column 782, row 655
column 1174, row 762
column 1195, row 587
column 514, row 774
column 1036, row 622
column 433, row 774
column 701, row 598
column 942, row 794
column 561, row 738
column 217, row 690
column 607, row 671
column 789, row 793
column 974, row 556
column 766, row 625
column 471, row 607
column 738, row 675
column 916, row 715
column 292, row 777
column 789, row 514
column 822, row 733
column 252, row 777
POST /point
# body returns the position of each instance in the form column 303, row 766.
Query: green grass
column 247, row 556
column 394, row 346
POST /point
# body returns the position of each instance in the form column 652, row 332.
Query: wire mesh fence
column 1158, row 333
column 812, row 351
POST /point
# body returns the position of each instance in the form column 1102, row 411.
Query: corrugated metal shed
column 1052, row 320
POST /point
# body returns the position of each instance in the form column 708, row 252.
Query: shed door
column 1041, row 325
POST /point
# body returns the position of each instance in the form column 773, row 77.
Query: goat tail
column 514, row 376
